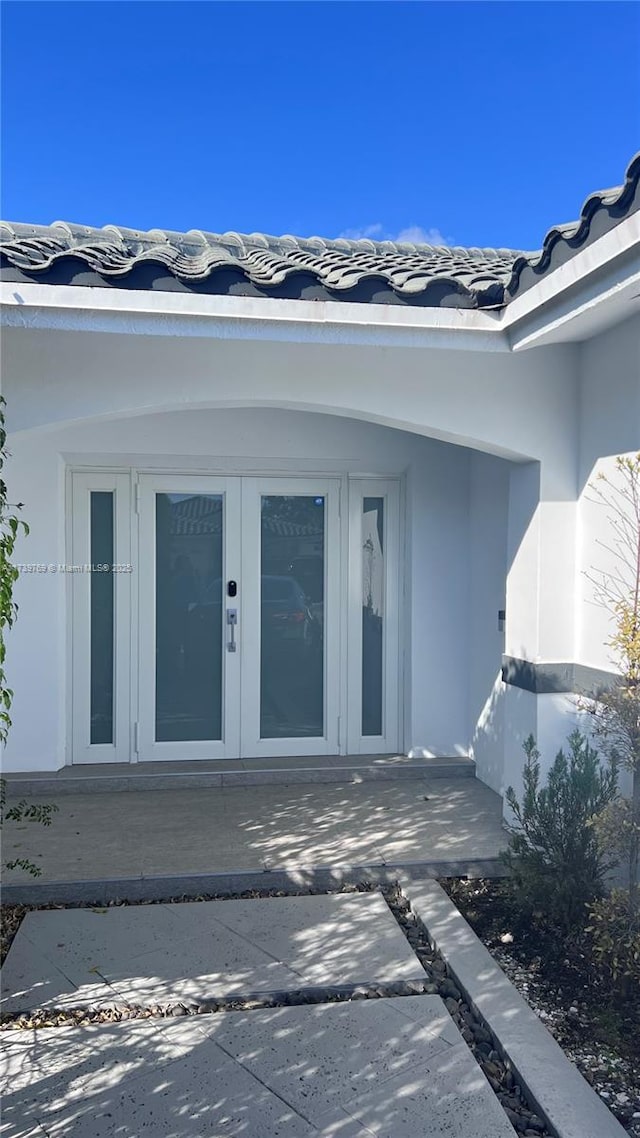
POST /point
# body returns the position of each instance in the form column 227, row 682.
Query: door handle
column 232, row 620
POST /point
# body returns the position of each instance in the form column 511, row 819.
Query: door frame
column 127, row 483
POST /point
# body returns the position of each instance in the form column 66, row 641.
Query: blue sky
column 477, row 123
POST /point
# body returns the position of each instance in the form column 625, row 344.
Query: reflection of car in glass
column 308, row 571
column 203, row 631
column 286, row 615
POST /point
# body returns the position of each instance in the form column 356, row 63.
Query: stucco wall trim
column 551, row 678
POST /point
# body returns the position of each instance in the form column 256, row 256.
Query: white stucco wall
column 609, row 426
column 488, row 522
column 561, row 544
column 514, row 405
column 442, row 482
column 438, row 613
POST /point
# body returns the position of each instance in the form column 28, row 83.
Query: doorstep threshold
column 290, row 878
column 110, row 778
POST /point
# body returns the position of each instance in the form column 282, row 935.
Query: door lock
column 232, row 620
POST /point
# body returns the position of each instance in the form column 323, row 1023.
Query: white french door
column 189, row 682
column 239, row 617
column 290, row 633
column 229, row 617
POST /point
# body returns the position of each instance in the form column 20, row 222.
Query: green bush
column 554, row 858
column 615, row 935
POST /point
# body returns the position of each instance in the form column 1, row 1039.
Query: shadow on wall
column 487, row 744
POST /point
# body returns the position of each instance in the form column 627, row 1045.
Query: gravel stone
column 448, row 988
column 491, row 1068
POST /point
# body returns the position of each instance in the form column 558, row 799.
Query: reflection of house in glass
column 189, row 628
column 372, row 563
column 293, row 616
column 373, row 576
column 189, row 544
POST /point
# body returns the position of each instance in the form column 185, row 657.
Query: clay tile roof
column 256, row 264
column 601, row 212
column 312, row 268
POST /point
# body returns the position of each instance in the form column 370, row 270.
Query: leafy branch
column 10, row 528
column 615, row 711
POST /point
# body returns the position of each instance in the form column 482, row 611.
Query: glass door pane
column 373, row 641
column 101, row 589
column 292, row 615
column 373, row 590
column 188, row 616
column 102, row 615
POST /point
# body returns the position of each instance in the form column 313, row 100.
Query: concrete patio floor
column 217, row 830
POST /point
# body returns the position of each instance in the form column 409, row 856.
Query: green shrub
column 615, row 935
column 556, row 863
column 617, row 828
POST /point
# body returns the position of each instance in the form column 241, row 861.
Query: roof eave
column 79, row 308
column 595, row 289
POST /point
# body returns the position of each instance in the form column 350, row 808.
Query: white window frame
column 82, row 484
column 389, row 742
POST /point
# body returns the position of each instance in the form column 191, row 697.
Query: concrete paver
column 202, row 950
column 359, row 1049
column 30, row 979
column 148, row 833
column 322, row 1071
